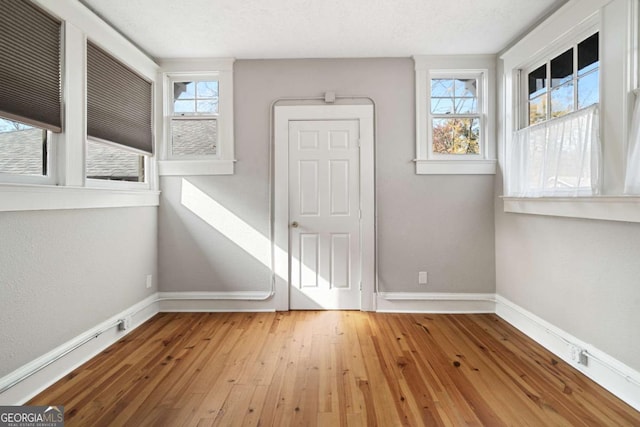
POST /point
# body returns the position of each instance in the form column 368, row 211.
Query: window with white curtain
column 632, row 176
column 559, row 157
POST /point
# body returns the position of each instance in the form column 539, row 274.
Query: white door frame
column 282, row 116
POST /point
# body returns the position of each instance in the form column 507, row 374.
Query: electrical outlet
column 149, row 280
column 124, row 323
column 422, row 278
column 578, row 355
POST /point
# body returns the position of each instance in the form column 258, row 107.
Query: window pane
column 537, row 81
column 442, row 105
column 108, row 162
column 22, row 149
column 207, row 90
column 588, row 91
column 182, row 107
column 466, row 105
column 466, row 87
column 456, row 136
column 562, row 68
column 184, row 90
column 441, row 88
column 194, row 137
column 562, row 100
column 538, row 110
column 588, row 55
column 209, row 106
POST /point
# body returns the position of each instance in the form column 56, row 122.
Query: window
column 587, row 52
column 23, row 149
column 568, row 82
column 454, row 99
column 194, row 119
column 30, row 91
column 119, row 126
column 558, row 153
column 198, row 118
column 456, row 116
column 110, row 162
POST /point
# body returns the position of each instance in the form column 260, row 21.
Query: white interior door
column 324, row 214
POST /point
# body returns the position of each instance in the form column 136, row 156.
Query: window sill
column 455, row 167
column 195, row 167
column 608, row 208
column 14, row 197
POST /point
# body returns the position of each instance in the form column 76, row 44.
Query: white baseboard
column 434, row 302
column 241, row 301
column 57, row 363
column 610, row 373
column 618, row 378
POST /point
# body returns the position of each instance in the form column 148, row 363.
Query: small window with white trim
column 198, row 118
column 454, row 114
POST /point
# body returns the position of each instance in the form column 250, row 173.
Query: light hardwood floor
column 331, row 368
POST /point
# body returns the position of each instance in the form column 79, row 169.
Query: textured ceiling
column 320, row 28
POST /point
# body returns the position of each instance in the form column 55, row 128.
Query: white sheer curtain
column 560, row 157
column 632, row 177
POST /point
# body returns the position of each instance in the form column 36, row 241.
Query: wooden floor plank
column 331, row 368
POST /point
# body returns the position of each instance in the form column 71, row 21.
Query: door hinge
column 359, row 143
column 360, row 285
column 359, row 213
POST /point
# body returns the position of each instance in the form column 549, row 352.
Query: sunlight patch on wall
column 231, row 226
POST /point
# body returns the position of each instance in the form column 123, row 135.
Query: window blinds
column 30, row 65
column 118, row 102
column 556, row 158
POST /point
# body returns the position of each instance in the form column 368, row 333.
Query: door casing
column 282, row 269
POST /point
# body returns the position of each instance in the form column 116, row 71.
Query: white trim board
column 63, row 359
column 434, row 302
column 613, row 375
column 616, row 377
column 18, row 197
column 240, row 301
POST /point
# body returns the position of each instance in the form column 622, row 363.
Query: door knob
column 294, row 224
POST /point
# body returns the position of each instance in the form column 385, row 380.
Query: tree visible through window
column 455, row 116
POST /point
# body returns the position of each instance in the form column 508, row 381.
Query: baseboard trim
column 613, row 375
column 35, row 376
column 434, row 302
column 240, row 301
column 610, row 373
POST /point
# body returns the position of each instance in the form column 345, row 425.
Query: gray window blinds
column 118, row 102
column 30, row 65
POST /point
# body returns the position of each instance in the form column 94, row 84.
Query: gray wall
column 582, row 276
column 64, row 272
column 441, row 224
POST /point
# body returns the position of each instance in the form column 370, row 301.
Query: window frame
column 223, row 162
column 481, row 67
